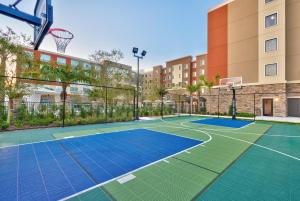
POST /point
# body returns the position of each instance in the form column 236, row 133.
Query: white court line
column 61, row 139
column 261, row 146
column 184, row 151
column 131, row 172
column 244, row 133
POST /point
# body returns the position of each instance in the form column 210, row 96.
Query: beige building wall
column 243, row 40
column 177, row 75
column 293, row 40
column 278, row 31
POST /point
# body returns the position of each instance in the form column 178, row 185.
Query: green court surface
column 257, row 162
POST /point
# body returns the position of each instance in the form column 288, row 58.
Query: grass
column 222, row 169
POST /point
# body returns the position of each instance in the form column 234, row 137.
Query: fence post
column 134, row 103
column 179, row 110
column 254, row 112
column 162, row 107
column 219, row 103
column 64, row 107
column 105, row 104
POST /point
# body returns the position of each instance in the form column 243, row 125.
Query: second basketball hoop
column 62, row 38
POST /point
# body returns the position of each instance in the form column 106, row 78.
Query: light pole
column 135, row 51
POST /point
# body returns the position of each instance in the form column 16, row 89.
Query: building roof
column 220, row 5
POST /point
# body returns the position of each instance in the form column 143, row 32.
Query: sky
column 166, row 29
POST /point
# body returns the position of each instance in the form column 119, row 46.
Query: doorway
column 267, row 107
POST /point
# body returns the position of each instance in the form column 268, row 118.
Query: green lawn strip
column 92, row 195
column 176, row 180
column 24, row 137
column 100, row 130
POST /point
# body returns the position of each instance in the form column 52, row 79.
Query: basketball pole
column 233, row 104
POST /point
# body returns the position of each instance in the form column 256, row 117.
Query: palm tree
column 162, row 92
column 217, row 79
column 65, row 75
column 209, row 86
column 192, row 89
column 202, row 83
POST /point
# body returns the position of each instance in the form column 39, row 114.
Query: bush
column 18, row 124
column 4, row 125
column 243, row 114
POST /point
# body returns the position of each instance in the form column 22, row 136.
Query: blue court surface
column 54, row 170
column 224, row 122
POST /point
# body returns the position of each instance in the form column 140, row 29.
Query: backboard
column 44, row 11
column 231, row 83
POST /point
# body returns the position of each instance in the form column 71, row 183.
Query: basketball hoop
column 231, row 83
column 62, row 38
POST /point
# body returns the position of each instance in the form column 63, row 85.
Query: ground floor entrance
column 268, row 107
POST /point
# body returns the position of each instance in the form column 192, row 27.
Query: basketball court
column 176, row 158
column 170, row 159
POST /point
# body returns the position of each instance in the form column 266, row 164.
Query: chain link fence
column 27, row 103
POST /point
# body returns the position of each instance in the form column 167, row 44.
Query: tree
column 106, row 77
column 192, row 89
column 106, row 60
column 202, row 83
column 209, row 85
column 11, row 52
column 162, row 92
column 65, row 74
column 13, row 90
column 217, row 79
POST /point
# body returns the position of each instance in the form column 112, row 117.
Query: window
column 195, row 74
column 202, row 71
column 74, row 63
column 202, row 62
column 61, row 61
column 97, row 68
column 194, row 82
column 86, row 90
column 45, row 58
column 74, row 89
column 186, row 75
column 87, row 66
column 271, row 20
column 271, row 45
column 179, row 75
column 268, row 1
column 271, row 69
column 29, row 54
column 179, row 67
column 186, row 67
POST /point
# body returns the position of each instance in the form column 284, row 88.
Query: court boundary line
column 261, row 146
column 133, row 171
column 54, row 140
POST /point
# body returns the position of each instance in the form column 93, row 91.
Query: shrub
column 4, row 125
column 243, row 114
column 18, row 123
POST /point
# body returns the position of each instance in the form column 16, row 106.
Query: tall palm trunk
column 9, row 111
column 191, row 104
column 64, row 97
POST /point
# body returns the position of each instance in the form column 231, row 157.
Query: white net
column 62, row 38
